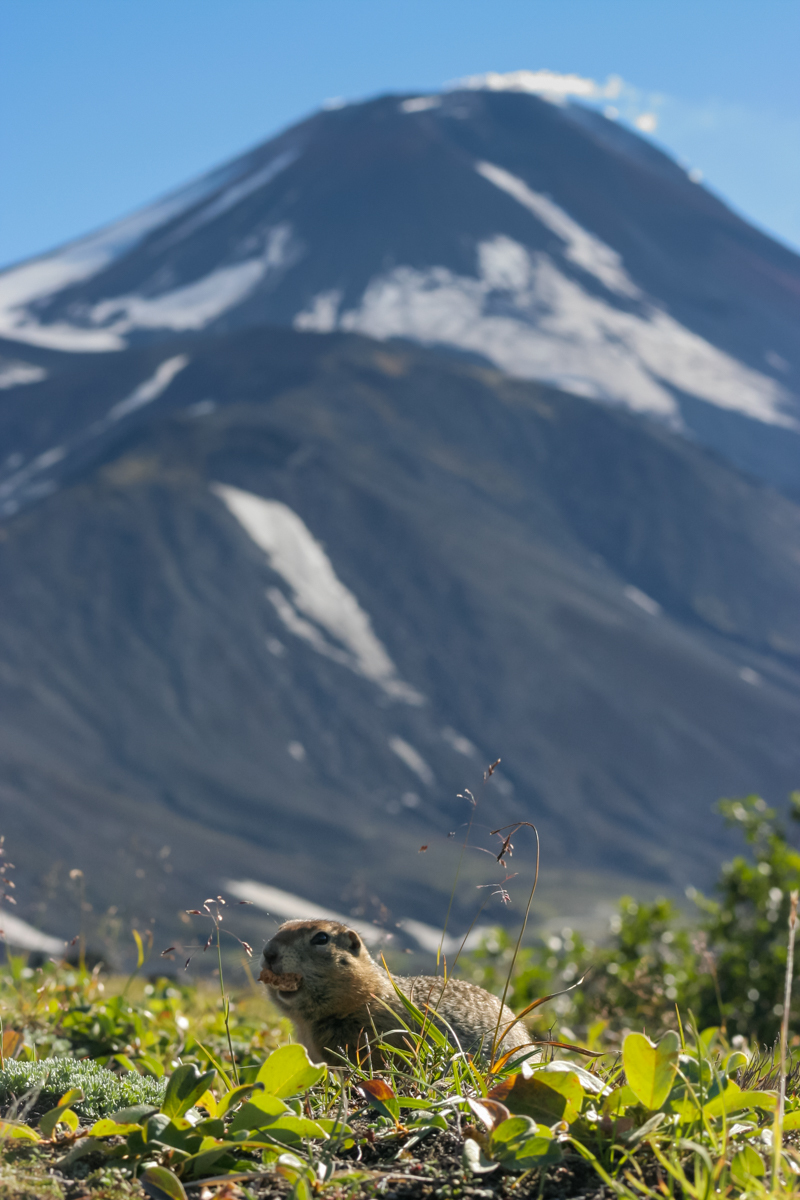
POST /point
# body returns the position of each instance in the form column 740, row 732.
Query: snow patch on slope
column 18, row 933
column 233, row 195
column 37, row 280
column 321, row 315
column 283, row 904
column 412, row 758
column 151, row 389
column 582, row 248
column 15, row 373
column 196, row 304
column 531, row 320
column 320, row 602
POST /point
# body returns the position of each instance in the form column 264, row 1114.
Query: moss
column 103, row 1091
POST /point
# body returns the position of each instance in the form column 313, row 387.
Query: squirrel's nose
column 270, row 957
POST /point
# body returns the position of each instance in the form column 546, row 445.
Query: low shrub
column 104, row 1091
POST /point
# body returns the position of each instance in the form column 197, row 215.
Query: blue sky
column 108, row 103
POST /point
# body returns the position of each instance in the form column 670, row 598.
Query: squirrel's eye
column 319, row 939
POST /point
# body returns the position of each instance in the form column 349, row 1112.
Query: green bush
column 727, row 967
column 104, row 1092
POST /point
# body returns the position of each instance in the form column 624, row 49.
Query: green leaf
column 186, row 1085
column 172, row 1131
column 546, row 1096
column 105, row 1127
column 619, row 1100
column 299, row 1174
column 732, row 1100
column 16, row 1129
column 200, row 1164
column 746, row 1166
column 294, row 1127
column 791, row 1121
column 335, row 1128
column 257, row 1116
column 62, row 1114
column 520, row 1143
column 651, row 1069
column 475, row 1160
column 161, row 1184
column 232, row 1098
column 289, row 1070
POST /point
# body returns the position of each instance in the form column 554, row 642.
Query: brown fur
column 337, row 996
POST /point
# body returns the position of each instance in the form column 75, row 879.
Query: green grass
column 673, row 1113
column 214, row 1089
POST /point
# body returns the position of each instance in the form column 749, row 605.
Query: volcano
column 438, row 429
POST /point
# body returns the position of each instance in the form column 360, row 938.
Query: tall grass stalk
column 777, row 1137
column 510, row 972
column 467, row 795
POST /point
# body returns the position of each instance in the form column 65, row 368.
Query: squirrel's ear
column 355, row 941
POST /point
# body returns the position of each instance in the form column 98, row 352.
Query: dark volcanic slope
column 541, row 238
column 277, row 615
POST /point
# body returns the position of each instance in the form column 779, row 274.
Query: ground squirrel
column 321, row 975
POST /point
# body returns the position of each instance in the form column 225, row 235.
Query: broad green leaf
column 172, row 1131
column 186, row 1085
column 735, row 1061
column 231, row 1098
column 299, row 1174
column 197, row 1165
column 746, row 1166
column 257, row 1116
column 558, row 1099
column 619, row 1100
column 289, row 1070
column 87, row 1145
column 212, row 1127
column 336, row 1128
column 16, row 1129
column 732, row 1100
column 208, row 1102
column 791, row 1121
column 62, row 1114
column 589, row 1082
column 475, row 1160
column 632, row 1137
column 161, row 1184
column 105, row 1127
column 649, row 1069
column 520, row 1144
column 512, row 1129
column 296, row 1127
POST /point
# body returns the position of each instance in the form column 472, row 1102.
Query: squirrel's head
column 314, row 966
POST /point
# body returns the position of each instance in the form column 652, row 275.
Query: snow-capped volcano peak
column 551, row 242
